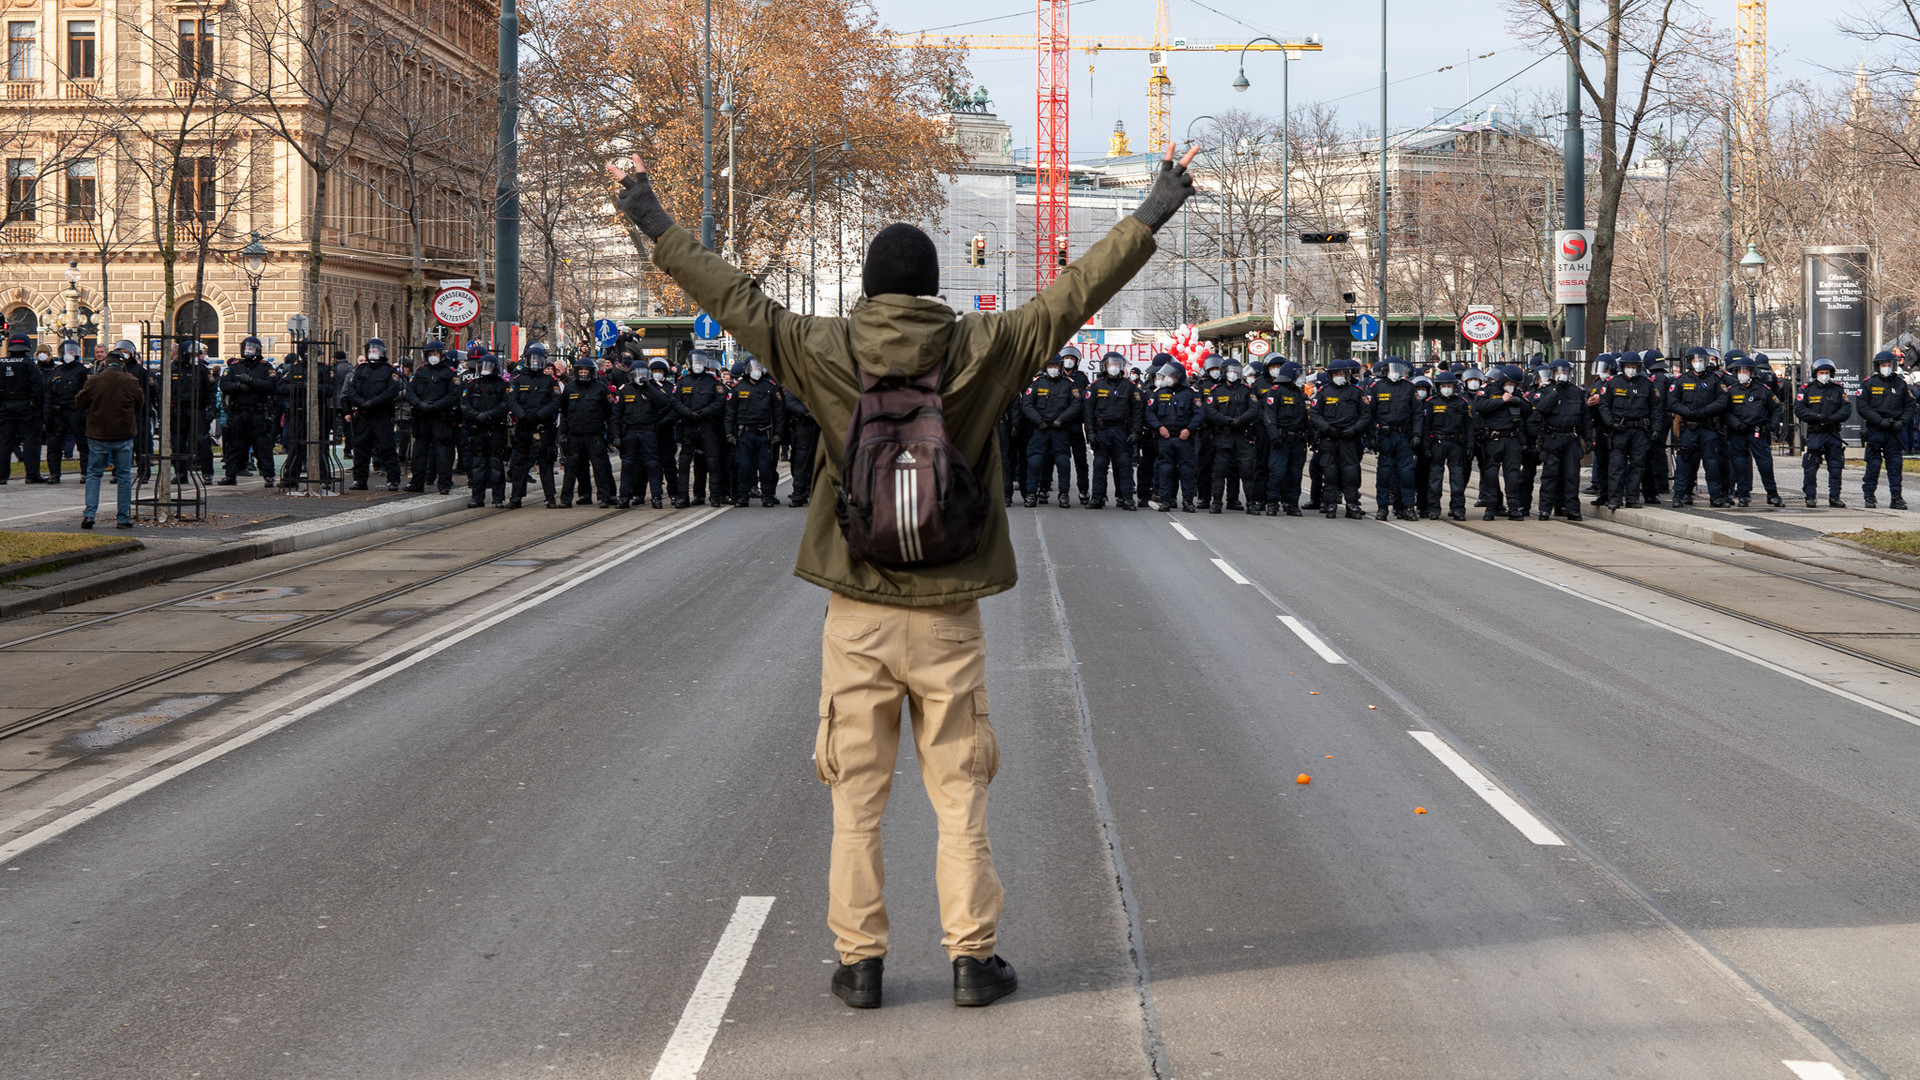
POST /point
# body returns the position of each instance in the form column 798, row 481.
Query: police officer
column 191, row 410
column 1500, row 415
column 1173, row 412
column 1113, row 412
column 700, row 401
column 1076, row 430
column 1698, row 400
column 62, row 420
column 1884, row 401
column 483, row 405
column 1631, row 409
column 1603, row 366
column 1753, row 413
column 639, row 409
column 1823, row 406
column 1051, row 404
column 756, row 426
column 1212, row 374
column 372, row 393
column 803, row 437
column 294, row 379
column 533, row 401
column 1228, row 412
column 434, row 394
column 1146, row 449
column 1446, row 427
column 586, row 425
column 1340, row 416
column 1393, row 416
column 22, row 398
column 1283, row 411
column 250, row 390
column 1560, row 408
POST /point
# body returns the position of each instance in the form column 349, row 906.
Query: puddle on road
column 118, row 729
column 250, row 595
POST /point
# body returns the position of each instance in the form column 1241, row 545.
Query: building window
column 23, row 189
column 83, row 194
column 196, row 48
column 20, row 39
column 194, row 193
column 81, row 37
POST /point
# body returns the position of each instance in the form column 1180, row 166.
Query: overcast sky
column 1423, row 36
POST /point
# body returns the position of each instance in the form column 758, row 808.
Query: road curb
column 277, row 541
column 1719, row 534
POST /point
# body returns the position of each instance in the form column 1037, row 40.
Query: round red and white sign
column 1480, row 327
column 1259, row 347
column 456, row 307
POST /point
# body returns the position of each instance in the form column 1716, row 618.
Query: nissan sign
column 1572, row 265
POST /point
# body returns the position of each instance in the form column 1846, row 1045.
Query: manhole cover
column 118, row 729
column 283, row 616
column 250, row 595
column 518, row 562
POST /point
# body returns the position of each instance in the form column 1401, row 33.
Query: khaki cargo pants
column 871, row 657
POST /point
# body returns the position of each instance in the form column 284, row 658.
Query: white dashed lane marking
column 1313, row 640
column 1518, row 816
column 1814, row 1070
column 1182, row 530
column 1235, row 575
column 693, row 1036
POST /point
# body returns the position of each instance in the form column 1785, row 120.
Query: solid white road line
column 687, row 1050
column 1228, row 570
column 1313, row 640
column 1182, row 530
column 1530, row 827
column 1729, row 649
column 375, row 670
column 1814, row 1070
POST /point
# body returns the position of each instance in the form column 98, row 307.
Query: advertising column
column 1839, row 318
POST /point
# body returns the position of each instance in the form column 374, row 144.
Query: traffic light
column 1059, row 251
column 1323, row 238
column 979, row 250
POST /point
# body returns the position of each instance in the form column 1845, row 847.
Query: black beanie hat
column 902, row 259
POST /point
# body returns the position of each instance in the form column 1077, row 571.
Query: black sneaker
column 1833, row 502
column 227, row 481
column 1215, row 508
column 1186, row 507
column 1064, row 502
column 1812, row 502
column 1897, row 504
column 655, row 504
column 1030, row 501
column 86, row 523
column 1489, row 515
column 859, row 984
column 1775, row 500
column 1869, row 502
column 981, row 982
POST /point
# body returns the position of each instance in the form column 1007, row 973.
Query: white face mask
column 1473, row 384
column 1509, row 388
column 1420, row 392
column 433, row 358
column 1395, row 375
column 1745, row 377
column 1699, row 366
column 1274, row 374
column 1053, row 371
column 1339, row 380
column 1886, row 371
column 1824, row 377
column 1559, row 376
column 1113, row 370
column 1232, row 376
column 1163, row 381
column 1447, row 390
column 697, row 367
column 659, row 376
column 754, row 372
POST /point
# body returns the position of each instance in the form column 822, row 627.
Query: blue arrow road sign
column 605, row 333
column 1365, row 328
column 706, row 327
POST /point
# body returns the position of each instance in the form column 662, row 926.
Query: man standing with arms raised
column 908, row 633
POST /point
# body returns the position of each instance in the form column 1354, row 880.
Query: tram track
column 302, row 625
column 1824, row 640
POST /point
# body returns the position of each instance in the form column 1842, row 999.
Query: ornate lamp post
column 1752, row 266
column 254, row 258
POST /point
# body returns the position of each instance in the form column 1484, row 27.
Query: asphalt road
column 518, row 859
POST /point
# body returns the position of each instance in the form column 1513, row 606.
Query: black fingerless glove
column 642, row 207
column 1171, row 188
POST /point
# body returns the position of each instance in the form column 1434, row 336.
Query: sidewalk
column 246, row 522
column 1794, row 531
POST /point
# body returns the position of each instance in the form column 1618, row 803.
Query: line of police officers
column 1235, row 440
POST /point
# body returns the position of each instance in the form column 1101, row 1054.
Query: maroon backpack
column 907, row 496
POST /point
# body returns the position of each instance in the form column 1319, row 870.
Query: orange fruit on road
column 1303, row 778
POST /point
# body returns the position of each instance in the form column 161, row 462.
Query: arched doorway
column 197, row 318
column 22, row 320
column 89, row 332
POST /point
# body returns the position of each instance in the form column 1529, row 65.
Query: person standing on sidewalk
column 913, row 632
column 1883, row 402
column 113, row 402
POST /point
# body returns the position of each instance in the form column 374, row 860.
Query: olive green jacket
column 990, row 359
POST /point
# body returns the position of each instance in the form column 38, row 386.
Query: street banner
column 1839, row 323
column 1572, row 265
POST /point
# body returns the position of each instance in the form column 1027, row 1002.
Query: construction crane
column 1750, row 103
column 1051, row 46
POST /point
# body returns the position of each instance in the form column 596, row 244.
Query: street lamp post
column 1382, row 339
column 726, row 112
column 1286, row 163
column 72, row 295
column 255, row 256
column 706, row 138
column 1752, row 266
column 1185, row 260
